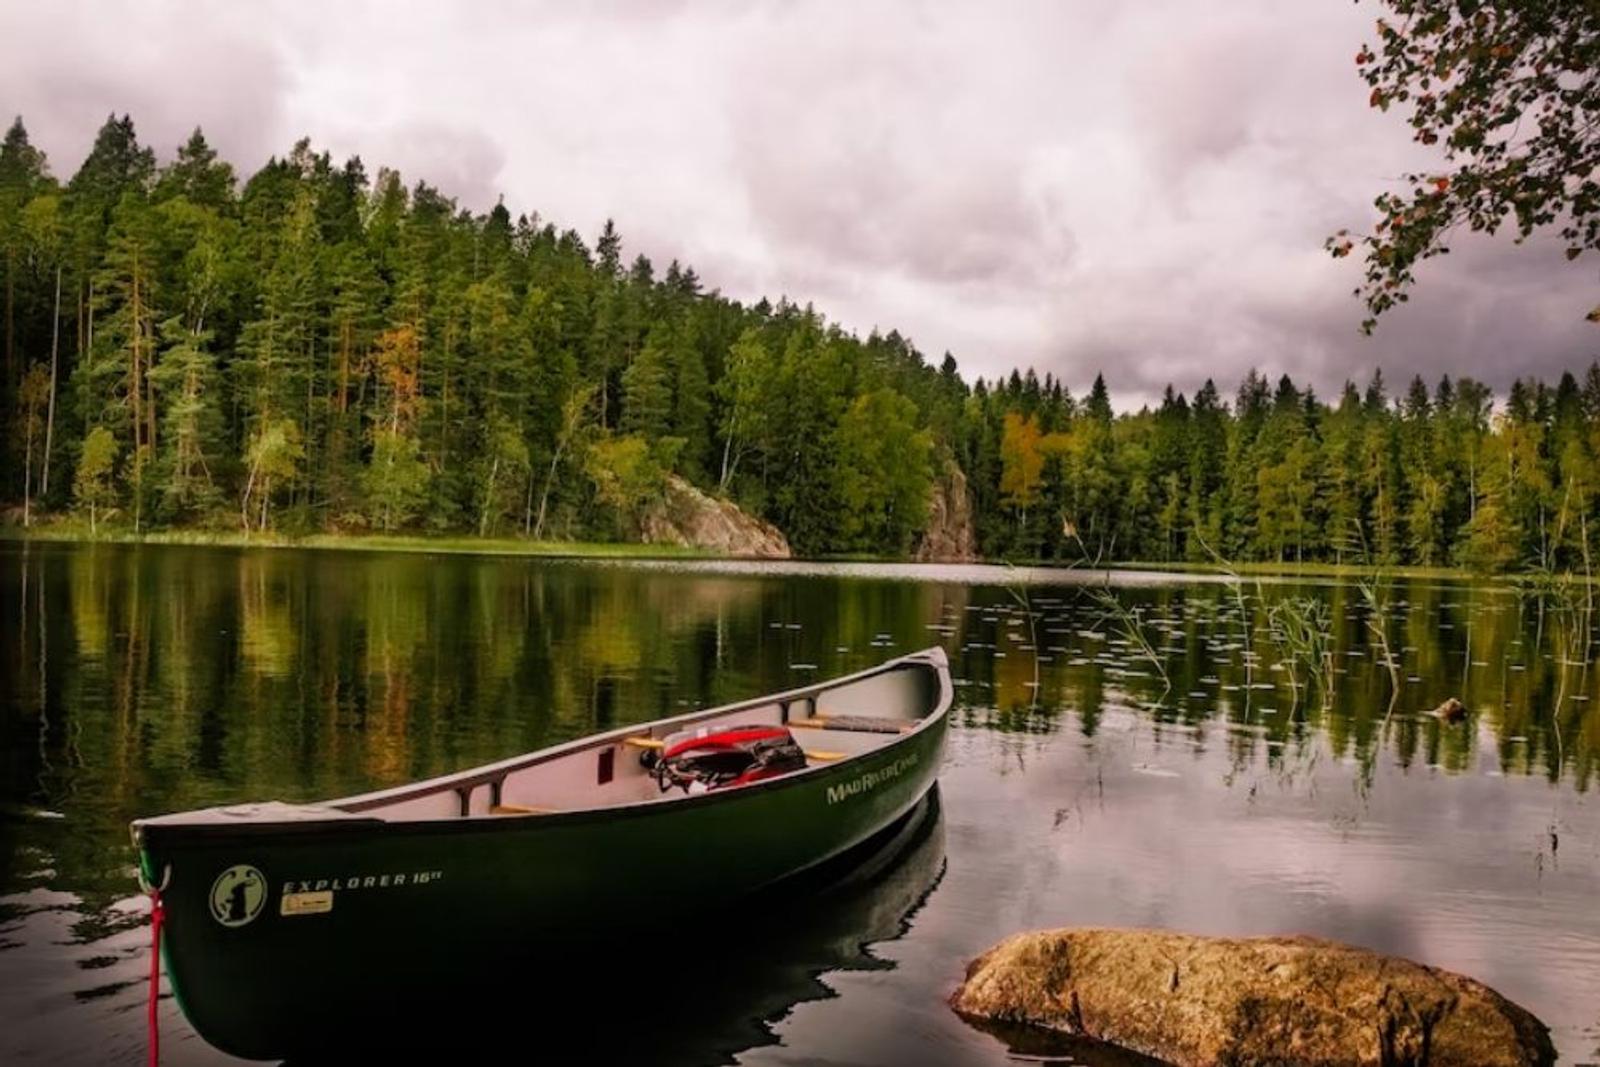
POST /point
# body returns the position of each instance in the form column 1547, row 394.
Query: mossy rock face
column 688, row 517
column 949, row 535
column 1249, row 1002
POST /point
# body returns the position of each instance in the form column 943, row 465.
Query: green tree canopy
column 1510, row 92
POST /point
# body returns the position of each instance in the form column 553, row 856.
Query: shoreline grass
column 1307, row 570
column 466, row 545
column 71, row 531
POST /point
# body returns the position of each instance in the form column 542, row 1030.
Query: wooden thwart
column 520, row 809
column 870, row 724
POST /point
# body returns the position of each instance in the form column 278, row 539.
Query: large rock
column 1208, row 1002
column 948, row 536
column 686, row 516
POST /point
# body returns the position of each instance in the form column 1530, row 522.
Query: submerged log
column 1207, row 1002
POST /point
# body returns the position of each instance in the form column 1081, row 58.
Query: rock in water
column 686, row 516
column 1209, row 1002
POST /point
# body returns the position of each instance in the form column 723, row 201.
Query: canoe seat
column 824, row 757
column 520, row 809
column 651, row 743
column 871, row 724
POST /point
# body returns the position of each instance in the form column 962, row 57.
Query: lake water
column 1233, row 796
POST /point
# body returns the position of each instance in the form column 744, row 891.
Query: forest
column 320, row 349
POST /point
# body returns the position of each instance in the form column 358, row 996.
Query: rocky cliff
column 949, row 536
column 686, row 516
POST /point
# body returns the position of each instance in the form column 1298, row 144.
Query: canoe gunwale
column 346, row 814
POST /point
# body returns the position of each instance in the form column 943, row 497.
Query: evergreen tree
column 198, row 176
column 691, row 405
column 192, row 439
column 22, row 174
column 647, row 389
column 326, row 352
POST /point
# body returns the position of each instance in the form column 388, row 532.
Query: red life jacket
column 722, row 756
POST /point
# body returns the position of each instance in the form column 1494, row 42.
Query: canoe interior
column 835, row 722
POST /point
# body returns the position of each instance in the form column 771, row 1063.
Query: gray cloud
column 66, row 66
column 1139, row 189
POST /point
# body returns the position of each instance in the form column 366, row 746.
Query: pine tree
column 32, row 397
column 502, row 358
column 117, row 386
column 647, row 389
column 691, row 405
column 23, row 174
column 361, row 354
column 198, row 176
column 192, row 439
column 43, row 228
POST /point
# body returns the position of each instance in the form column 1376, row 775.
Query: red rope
column 158, row 916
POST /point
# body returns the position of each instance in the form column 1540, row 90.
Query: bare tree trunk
column 50, row 418
column 444, row 416
column 244, row 504
column 1588, row 571
column 11, row 343
column 544, row 495
column 309, row 438
column 1472, row 484
column 488, row 496
column 527, row 506
column 344, row 365
column 27, row 474
column 136, row 398
column 88, row 362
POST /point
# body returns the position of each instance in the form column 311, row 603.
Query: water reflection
column 136, row 680
column 695, row 993
column 142, row 679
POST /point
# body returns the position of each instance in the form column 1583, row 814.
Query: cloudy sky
column 1077, row 186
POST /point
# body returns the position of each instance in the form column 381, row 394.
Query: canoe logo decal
column 865, row 783
column 238, row 895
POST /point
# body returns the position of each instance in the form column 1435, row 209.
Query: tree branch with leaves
column 1510, row 90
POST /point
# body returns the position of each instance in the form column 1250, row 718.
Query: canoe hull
column 278, row 941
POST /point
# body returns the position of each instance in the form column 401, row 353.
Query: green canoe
column 288, row 923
